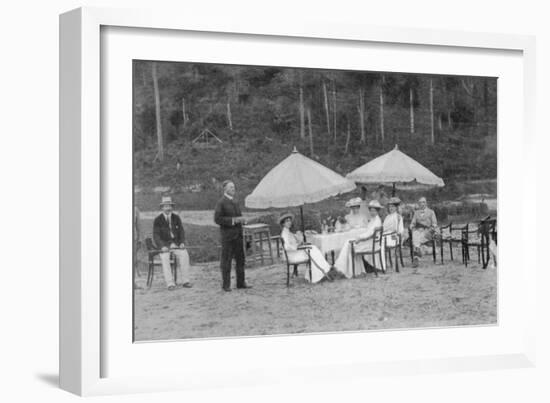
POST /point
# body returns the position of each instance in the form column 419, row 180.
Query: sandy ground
column 432, row 295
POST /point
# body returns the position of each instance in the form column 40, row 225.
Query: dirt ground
column 432, row 295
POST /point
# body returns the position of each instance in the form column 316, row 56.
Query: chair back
column 284, row 248
column 150, row 245
column 377, row 238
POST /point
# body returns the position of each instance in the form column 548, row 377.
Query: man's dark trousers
column 232, row 248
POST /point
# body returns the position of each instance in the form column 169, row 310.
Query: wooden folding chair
column 154, row 260
column 396, row 248
column 375, row 250
column 296, row 263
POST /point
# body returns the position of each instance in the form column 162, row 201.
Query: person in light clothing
column 297, row 251
column 393, row 221
column 355, row 219
column 343, row 263
column 169, row 237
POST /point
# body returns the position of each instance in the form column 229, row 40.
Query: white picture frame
column 83, row 189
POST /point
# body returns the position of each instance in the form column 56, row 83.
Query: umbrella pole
column 393, row 190
column 302, row 220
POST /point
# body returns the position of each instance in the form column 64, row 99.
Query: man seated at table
column 393, row 221
column 355, row 219
column 364, row 241
column 297, row 251
column 423, row 226
column 169, row 237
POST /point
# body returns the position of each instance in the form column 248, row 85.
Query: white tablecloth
column 334, row 240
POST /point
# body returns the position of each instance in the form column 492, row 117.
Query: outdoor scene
column 338, row 200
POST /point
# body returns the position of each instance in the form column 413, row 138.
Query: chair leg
column 478, row 255
column 401, row 256
column 352, row 263
column 287, row 274
column 451, row 249
column 150, row 274
column 433, row 251
column 441, row 251
column 396, row 261
column 270, row 250
column 389, row 256
column 295, row 272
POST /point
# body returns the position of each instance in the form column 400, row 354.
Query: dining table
column 332, row 242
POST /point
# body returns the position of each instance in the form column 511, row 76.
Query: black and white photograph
column 276, row 200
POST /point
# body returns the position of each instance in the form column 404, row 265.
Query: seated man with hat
column 355, row 219
column 423, row 226
column 297, row 251
column 364, row 242
column 169, row 237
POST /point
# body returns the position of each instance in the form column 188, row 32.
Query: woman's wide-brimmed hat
column 284, row 216
column 166, row 200
column 394, row 200
column 375, row 204
column 355, row 202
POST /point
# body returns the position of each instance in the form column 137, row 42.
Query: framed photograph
column 244, row 203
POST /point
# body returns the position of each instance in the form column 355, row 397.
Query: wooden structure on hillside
column 206, row 139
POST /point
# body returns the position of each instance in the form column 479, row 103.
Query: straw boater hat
column 166, row 200
column 355, row 202
column 394, row 200
column 375, row 204
column 284, row 216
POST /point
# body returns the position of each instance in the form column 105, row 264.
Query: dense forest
column 340, row 118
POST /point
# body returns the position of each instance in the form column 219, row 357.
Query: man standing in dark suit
column 169, row 237
column 228, row 216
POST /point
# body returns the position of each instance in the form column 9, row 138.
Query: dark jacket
column 161, row 231
column 225, row 210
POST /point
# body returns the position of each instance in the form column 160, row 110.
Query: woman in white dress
column 355, row 219
column 297, row 251
column 344, row 262
column 393, row 221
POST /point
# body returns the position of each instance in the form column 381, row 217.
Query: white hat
column 166, row 200
column 375, row 204
column 355, row 202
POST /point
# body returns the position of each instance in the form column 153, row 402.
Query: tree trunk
column 184, row 112
column 301, row 111
column 327, row 112
column 229, row 118
column 310, row 132
column 411, row 104
column 160, row 142
column 432, row 132
column 347, row 138
column 449, row 117
column 382, row 136
column 334, row 110
column 362, row 115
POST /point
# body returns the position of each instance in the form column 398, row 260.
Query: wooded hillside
column 341, row 118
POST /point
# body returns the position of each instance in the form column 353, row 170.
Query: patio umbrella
column 295, row 181
column 394, row 167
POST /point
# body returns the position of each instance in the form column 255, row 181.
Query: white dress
column 319, row 265
column 344, row 264
column 393, row 223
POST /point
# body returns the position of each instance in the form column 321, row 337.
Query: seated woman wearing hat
column 343, row 263
column 393, row 221
column 296, row 251
column 355, row 219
